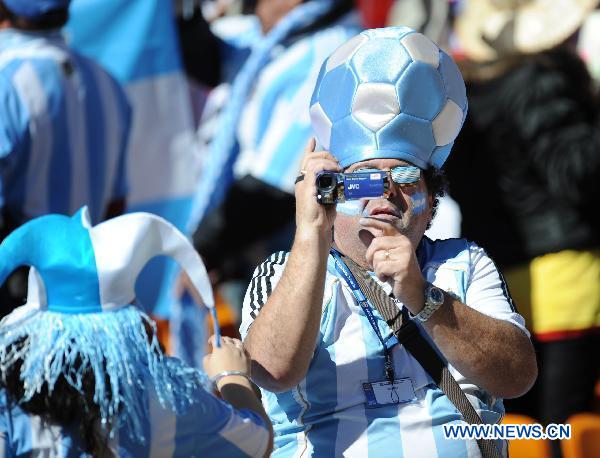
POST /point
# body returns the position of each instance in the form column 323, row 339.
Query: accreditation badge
column 385, row 392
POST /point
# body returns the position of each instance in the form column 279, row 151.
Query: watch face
column 435, row 295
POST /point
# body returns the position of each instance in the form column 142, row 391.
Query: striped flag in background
column 136, row 41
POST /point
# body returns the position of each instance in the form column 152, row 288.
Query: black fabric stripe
column 505, row 290
column 278, row 260
column 259, row 293
column 255, row 292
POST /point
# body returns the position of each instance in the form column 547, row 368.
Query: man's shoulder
column 448, row 250
column 276, row 262
column 26, row 48
column 278, row 257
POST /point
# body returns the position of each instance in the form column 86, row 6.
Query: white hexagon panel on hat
column 389, row 93
column 375, row 104
column 343, row 54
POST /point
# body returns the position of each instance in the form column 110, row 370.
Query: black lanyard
column 364, row 303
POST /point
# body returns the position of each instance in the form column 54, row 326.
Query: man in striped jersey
column 64, row 124
column 334, row 379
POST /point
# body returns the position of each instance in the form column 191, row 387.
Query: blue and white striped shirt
column 64, row 125
column 209, row 427
column 275, row 126
column 326, row 414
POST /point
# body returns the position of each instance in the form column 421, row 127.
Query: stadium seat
column 585, row 437
column 163, row 334
column 526, row 448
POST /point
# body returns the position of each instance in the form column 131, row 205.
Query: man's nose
column 394, row 188
column 396, row 196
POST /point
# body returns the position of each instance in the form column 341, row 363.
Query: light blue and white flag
column 136, row 41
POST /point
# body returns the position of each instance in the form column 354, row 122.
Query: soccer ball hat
column 80, row 315
column 389, row 93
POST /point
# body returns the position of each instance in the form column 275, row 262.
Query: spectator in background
column 271, row 61
column 64, row 124
column 430, row 17
column 81, row 368
column 533, row 127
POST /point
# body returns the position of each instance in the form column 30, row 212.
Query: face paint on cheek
column 352, row 208
column 418, row 202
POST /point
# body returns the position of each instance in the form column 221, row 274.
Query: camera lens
column 326, row 181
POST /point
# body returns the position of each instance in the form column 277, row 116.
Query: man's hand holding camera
column 310, row 215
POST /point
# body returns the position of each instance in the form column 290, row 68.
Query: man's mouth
column 384, row 213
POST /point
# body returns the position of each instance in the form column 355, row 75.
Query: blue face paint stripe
column 419, row 203
column 353, row 208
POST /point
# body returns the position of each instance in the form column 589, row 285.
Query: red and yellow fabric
column 558, row 294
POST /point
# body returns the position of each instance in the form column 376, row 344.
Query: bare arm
column 236, row 389
column 495, row 354
column 282, row 339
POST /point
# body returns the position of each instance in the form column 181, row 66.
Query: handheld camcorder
column 335, row 187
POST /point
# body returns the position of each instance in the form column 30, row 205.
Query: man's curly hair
column 437, row 187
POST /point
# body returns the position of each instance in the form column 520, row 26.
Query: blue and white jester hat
column 389, row 93
column 80, row 314
column 32, row 9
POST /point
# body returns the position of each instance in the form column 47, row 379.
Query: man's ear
column 430, row 200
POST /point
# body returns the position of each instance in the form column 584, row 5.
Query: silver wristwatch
column 434, row 298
